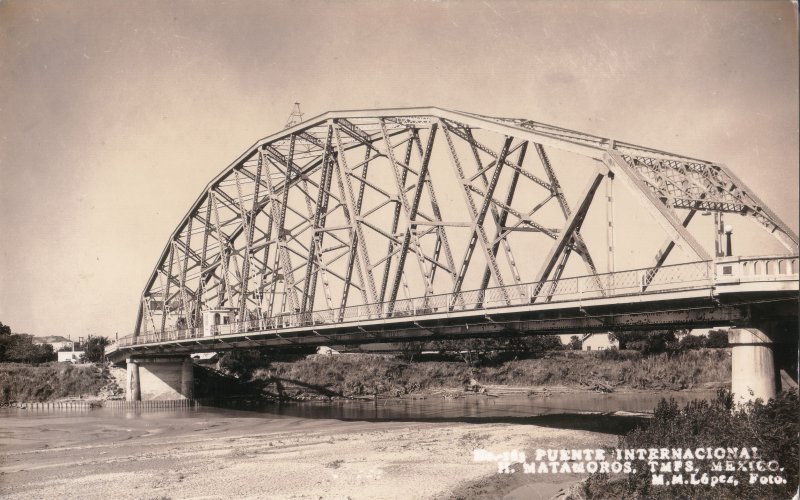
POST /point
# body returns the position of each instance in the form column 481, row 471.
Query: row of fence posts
column 117, row 404
column 59, row 405
column 151, row 405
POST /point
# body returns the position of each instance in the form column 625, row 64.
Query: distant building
column 206, row 357
column 57, row 341
column 598, row 342
column 70, row 356
column 326, row 351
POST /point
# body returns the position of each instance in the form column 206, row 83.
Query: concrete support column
column 133, row 390
column 187, row 379
column 752, row 365
column 164, row 378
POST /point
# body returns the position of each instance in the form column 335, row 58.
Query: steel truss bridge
column 420, row 223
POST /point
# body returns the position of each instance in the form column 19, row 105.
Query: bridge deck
column 697, row 294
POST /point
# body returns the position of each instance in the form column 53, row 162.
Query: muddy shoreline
column 263, row 449
column 227, row 453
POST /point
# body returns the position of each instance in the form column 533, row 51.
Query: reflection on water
column 472, row 406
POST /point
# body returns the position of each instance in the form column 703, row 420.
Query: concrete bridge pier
column 153, row 379
column 132, row 390
column 187, row 378
column 753, row 369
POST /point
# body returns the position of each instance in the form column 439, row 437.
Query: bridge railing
column 633, row 282
column 767, row 268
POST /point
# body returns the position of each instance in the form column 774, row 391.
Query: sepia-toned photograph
column 399, row 249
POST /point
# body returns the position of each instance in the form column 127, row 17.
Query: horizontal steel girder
column 733, row 305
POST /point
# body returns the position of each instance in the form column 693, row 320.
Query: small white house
column 70, row 356
column 598, row 342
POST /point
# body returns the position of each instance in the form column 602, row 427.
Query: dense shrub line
column 772, row 428
column 360, row 374
column 45, row 382
column 650, row 342
column 19, row 348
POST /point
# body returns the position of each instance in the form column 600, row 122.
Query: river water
column 475, row 406
column 428, row 409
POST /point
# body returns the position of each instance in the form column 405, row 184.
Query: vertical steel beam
column 267, row 268
column 252, row 225
column 276, row 266
column 288, row 271
column 411, row 229
column 719, row 235
column 315, row 247
column 442, row 242
column 395, row 221
column 322, row 270
column 610, row 222
column 276, row 220
column 222, row 242
column 423, row 268
column 481, row 173
column 166, row 293
column 478, row 232
column 352, row 258
column 200, row 294
column 182, row 279
column 345, row 173
column 501, row 222
column 317, row 235
column 255, row 208
column 247, row 223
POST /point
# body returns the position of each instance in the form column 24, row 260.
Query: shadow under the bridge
column 281, row 382
column 377, row 412
column 604, row 423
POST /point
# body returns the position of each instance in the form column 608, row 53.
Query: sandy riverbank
column 229, row 454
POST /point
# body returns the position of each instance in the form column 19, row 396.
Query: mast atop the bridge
column 295, row 117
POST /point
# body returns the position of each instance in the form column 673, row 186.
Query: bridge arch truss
column 366, row 208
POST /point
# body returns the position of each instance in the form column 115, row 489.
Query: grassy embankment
column 358, row 375
column 50, row 381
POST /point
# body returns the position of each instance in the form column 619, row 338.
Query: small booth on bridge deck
column 213, row 318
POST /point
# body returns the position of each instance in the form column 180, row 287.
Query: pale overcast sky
column 114, row 115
